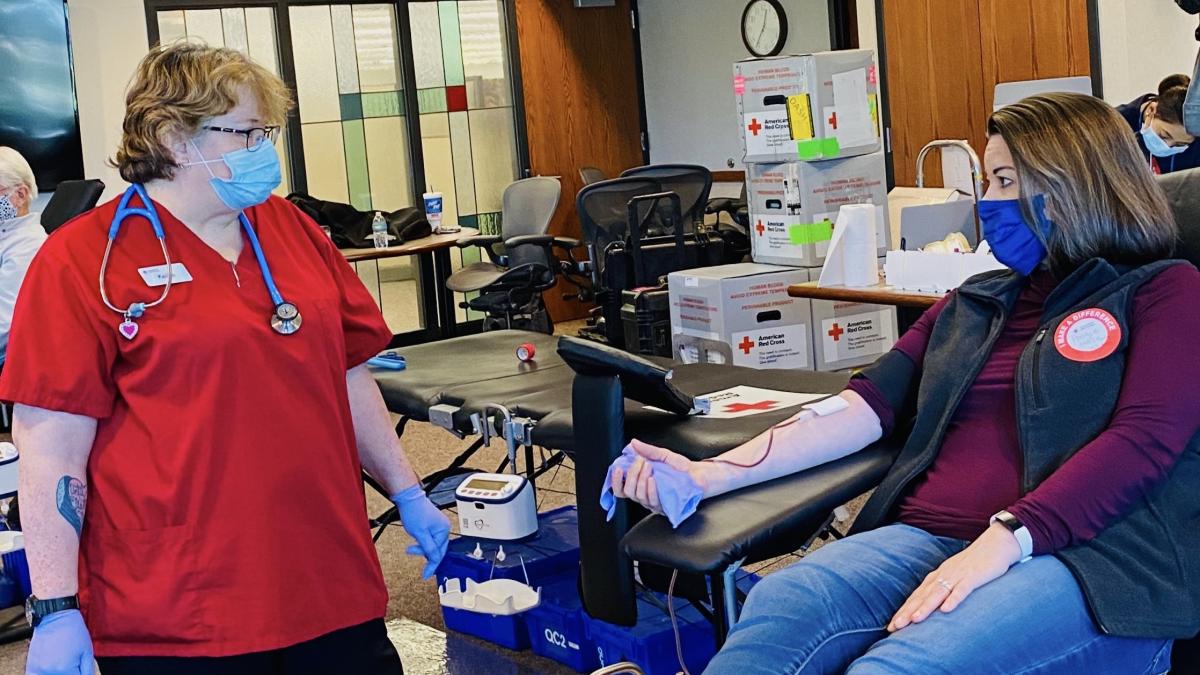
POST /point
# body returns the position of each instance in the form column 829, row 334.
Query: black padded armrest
column 539, row 239
column 760, row 521
column 642, row 380
column 566, row 242
column 478, row 240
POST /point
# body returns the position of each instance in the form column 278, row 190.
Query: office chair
column 590, row 174
column 70, row 198
column 510, row 285
column 691, row 182
column 603, row 209
column 736, row 233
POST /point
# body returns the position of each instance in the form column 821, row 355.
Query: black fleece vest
column 1141, row 575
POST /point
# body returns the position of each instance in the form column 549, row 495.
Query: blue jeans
column 828, row 613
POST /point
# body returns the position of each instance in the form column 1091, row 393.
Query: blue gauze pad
column 678, row 494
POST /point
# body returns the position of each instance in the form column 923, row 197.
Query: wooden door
column 579, row 78
column 945, row 57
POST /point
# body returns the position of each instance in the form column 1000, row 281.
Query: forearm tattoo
column 72, row 500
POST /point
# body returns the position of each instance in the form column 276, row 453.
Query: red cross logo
column 833, row 120
column 754, row 126
column 836, row 332
column 745, row 345
column 760, row 228
column 746, row 407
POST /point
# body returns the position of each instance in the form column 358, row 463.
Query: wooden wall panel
column 944, row 58
column 934, row 78
column 1032, row 39
column 581, row 103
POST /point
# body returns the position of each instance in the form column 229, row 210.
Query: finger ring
column 944, row 584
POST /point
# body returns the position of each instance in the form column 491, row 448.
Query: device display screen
column 496, row 485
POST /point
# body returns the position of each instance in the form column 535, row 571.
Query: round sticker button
column 1087, row 335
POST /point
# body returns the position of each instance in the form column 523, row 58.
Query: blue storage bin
column 558, row 627
column 651, row 643
column 548, row 555
column 16, row 566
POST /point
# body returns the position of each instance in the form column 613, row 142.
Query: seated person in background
column 21, row 233
column 1051, row 414
column 1157, row 122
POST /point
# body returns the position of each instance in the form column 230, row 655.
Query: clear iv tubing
column 770, row 441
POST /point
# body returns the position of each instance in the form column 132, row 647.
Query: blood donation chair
column 510, row 284
column 1183, row 195
column 627, row 396
column 774, row 517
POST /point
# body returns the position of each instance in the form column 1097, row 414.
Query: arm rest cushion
column 761, row 521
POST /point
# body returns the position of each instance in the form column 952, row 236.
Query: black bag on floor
column 351, row 228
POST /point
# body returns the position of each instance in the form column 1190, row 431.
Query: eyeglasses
column 255, row 136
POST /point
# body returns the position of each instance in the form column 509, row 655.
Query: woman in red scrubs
column 214, row 438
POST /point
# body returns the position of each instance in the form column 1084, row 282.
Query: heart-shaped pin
column 128, row 329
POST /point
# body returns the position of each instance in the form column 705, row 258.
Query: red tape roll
column 525, row 351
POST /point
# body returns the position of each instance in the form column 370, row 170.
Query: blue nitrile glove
column 61, row 645
column 425, row 523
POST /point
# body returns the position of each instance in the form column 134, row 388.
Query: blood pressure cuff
column 894, row 378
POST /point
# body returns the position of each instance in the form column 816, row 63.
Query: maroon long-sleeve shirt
column 977, row 471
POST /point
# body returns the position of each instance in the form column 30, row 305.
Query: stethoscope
column 285, row 319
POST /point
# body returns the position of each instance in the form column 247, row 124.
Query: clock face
column 764, row 27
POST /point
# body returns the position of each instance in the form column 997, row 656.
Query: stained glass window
column 250, row 30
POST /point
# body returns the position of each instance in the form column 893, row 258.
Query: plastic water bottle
column 379, row 233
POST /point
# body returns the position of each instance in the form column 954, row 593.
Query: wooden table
column 879, row 294
column 435, row 302
column 909, row 304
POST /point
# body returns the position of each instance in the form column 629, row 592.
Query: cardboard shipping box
column 808, row 107
column 740, row 314
column 793, row 206
column 850, row 334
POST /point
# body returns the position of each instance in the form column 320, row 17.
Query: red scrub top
column 225, row 506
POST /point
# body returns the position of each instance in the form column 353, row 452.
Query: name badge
column 157, row 275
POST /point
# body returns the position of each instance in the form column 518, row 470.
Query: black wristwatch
column 1020, row 532
column 36, row 610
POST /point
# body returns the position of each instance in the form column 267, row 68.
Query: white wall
column 688, row 51
column 1141, row 42
column 108, row 38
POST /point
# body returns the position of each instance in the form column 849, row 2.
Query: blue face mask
column 1011, row 237
column 7, row 210
column 1157, row 146
column 253, row 175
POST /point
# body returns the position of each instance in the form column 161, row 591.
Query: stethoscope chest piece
column 286, row 319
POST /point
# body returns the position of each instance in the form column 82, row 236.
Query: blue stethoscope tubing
column 285, row 319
